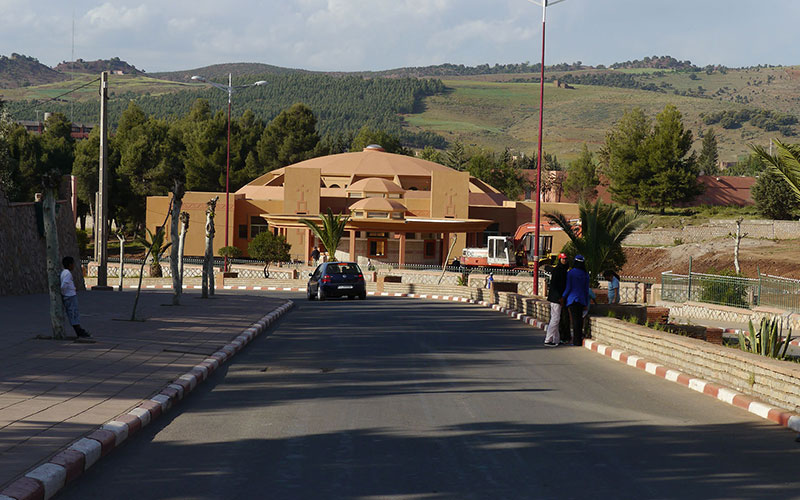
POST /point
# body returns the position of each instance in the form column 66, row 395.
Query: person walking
column 315, row 256
column 70, row 297
column 490, row 281
column 613, row 286
column 558, row 282
column 576, row 297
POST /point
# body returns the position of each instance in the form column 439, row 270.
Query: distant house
column 79, row 130
column 720, row 190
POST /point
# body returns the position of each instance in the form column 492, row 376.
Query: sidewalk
column 54, row 392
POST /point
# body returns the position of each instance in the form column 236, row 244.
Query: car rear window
column 343, row 269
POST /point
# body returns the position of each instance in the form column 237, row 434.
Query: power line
column 38, row 103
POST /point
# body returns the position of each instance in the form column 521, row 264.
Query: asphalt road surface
column 400, row 398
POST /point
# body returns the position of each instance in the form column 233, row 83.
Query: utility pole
column 537, row 212
column 102, row 204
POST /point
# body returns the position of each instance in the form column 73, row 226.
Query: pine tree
column 290, row 138
column 674, row 169
column 626, row 156
column 709, row 156
column 582, row 177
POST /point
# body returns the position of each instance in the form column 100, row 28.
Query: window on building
column 377, row 215
column 333, row 186
column 397, row 215
column 377, row 248
column 243, row 231
column 258, row 225
column 355, row 195
column 394, row 195
column 430, row 248
column 358, row 213
column 377, row 235
column 411, row 236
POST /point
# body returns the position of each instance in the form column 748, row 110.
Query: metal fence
column 766, row 290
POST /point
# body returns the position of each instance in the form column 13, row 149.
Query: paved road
column 402, row 398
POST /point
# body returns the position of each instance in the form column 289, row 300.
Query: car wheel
column 320, row 294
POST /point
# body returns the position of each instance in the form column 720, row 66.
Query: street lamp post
column 229, row 89
column 544, row 4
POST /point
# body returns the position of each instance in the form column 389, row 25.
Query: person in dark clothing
column 558, row 282
column 576, row 297
column 315, row 256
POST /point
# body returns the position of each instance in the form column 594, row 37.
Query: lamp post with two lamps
column 544, row 4
column 229, row 89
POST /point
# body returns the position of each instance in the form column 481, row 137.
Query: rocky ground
column 778, row 258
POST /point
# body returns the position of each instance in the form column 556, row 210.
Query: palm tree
column 155, row 242
column 331, row 231
column 785, row 163
column 599, row 239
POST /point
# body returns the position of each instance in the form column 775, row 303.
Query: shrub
column 720, row 288
column 767, row 341
column 83, row 243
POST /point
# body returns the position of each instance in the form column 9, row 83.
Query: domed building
column 403, row 210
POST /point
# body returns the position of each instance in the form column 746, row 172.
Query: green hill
column 219, row 72
column 493, row 106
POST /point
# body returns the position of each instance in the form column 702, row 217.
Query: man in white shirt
column 70, row 297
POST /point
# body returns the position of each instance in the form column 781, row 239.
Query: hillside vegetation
column 494, row 106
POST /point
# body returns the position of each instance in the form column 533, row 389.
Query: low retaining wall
column 768, row 229
column 772, row 381
column 699, row 311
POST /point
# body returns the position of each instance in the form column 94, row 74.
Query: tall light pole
column 229, row 89
column 544, row 4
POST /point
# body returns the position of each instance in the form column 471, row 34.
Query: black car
column 336, row 279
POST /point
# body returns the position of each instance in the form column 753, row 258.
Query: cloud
column 110, row 17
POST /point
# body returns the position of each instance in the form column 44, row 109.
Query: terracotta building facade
column 403, row 210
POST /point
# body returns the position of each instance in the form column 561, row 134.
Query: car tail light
column 326, row 278
column 361, row 276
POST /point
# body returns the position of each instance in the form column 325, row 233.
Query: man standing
column 576, row 297
column 558, row 282
column 70, row 297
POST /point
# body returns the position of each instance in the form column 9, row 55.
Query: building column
column 352, row 233
column 445, row 247
column 401, row 258
column 309, row 244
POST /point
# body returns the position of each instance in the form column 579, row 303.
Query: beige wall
column 449, row 194
column 301, row 191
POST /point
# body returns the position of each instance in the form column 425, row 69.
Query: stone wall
column 768, row 229
column 22, row 250
column 775, row 382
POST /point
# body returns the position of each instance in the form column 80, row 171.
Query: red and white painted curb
column 719, row 392
column 46, row 480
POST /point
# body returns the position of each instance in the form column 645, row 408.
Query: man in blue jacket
column 576, row 297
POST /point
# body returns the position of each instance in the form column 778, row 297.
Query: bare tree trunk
column 52, row 253
column 121, row 238
column 738, row 239
column 208, row 257
column 144, row 261
column 181, row 243
column 177, row 202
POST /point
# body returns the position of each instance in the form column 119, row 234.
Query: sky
column 361, row 35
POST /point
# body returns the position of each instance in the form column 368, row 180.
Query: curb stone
column 722, row 393
column 44, row 481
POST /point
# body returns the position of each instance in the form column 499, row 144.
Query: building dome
column 375, row 185
column 378, row 205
